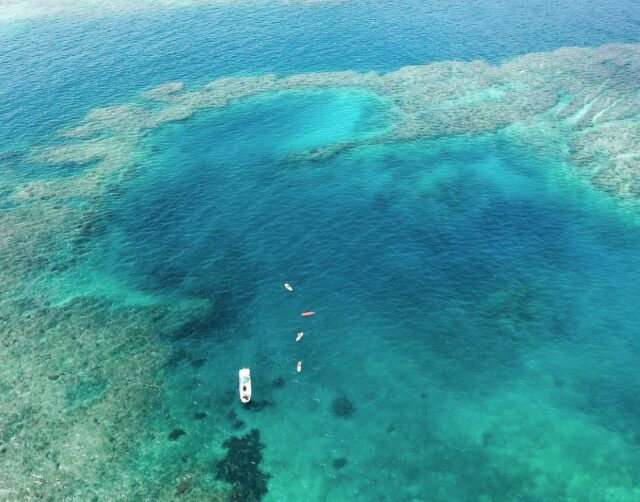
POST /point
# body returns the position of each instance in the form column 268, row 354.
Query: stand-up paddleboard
column 299, row 367
column 299, row 335
column 307, row 314
column 287, row 286
column 244, row 376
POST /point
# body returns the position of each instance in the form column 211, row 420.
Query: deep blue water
column 464, row 253
column 54, row 71
column 476, row 301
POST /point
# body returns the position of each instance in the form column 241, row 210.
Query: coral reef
column 74, row 407
column 339, row 463
column 176, row 434
column 343, row 407
column 241, row 467
column 278, row 383
column 198, row 363
column 258, row 404
column 83, row 375
column 586, row 98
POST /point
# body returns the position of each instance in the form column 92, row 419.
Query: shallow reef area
column 343, row 407
column 581, row 101
column 77, row 388
column 241, row 467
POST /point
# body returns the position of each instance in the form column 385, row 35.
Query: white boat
column 299, row 335
column 287, row 286
column 244, row 387
column 299, row 367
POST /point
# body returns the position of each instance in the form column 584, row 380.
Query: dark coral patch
column 339, row 463
column 258, row 404
column 278, row 383
column 176, row 434
column 199, row 415
column 240, row 467
column 227, row 398
column 343, row 407
column 226, row 308
column 198, row 363
column 176, row 358
column 238, row 424
column 183, row 486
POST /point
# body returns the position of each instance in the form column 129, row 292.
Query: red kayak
column 307, row 314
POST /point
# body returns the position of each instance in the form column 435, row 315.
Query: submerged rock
column 199, row 415
column 176, row 434
column 227, row 398
column 558, row 381
column 183, row 486
column 198, row 363
column 258, row 404
column 343, row 407
column 240, row 467
column 278, row 383
column 176, row 358
column 339, row 463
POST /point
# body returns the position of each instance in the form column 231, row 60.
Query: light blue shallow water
column 476, row 328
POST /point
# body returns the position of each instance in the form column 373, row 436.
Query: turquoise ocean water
column 468, row 234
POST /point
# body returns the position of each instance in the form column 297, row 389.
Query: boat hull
column 244, row 385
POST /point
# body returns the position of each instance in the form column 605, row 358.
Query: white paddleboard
column 244, row 376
